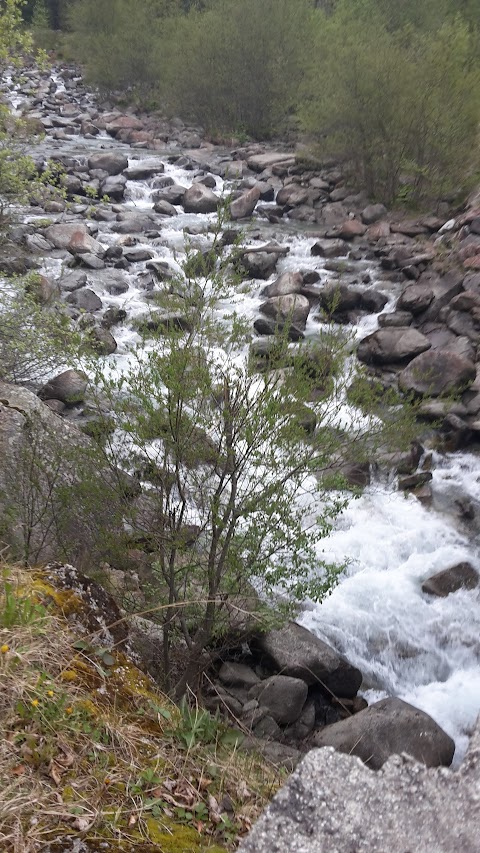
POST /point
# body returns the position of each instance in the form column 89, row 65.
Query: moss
column 67, row 601
column 177, row 838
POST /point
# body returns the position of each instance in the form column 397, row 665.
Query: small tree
column 238, row 466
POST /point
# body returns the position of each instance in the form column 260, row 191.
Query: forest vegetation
column 392, row 90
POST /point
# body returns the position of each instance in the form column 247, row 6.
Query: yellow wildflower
column 69, row 710
column 50, row 693
column 34, row 702
column 4, row 649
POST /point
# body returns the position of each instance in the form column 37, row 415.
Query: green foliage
column 395, row 105
column 17, row 609
column 237, row 66
column 34, row 338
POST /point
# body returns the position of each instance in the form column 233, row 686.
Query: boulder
column 112, row 162
column 143, row 169
column 296, row 652
column 332, row 803
column 121, row 124
column 415, row 298
column 288, row 282
column 283, row 695
column 245, row 204
column 69, row 387
column 372, row 213
column 60, row 235
column 237, row 675
column 437, row 372
column 350, row 229
column 85, row 299
column 81, row 244
column 259, row 162
column 329, row 248
column 259, row 264
column 460, row 576
column 389, row 727
column 293, row 308
column 292, row 195
column 114, row 187
column 337, row 298
column 392, row 345
column 200, row 199
column 173, row 194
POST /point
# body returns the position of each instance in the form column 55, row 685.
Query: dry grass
column 93, row 750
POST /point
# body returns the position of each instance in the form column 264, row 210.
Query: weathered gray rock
column 334, row 804
column 391, row 345
column 259, row 264
column 237, row 674
column 461, row 576
column 389, row 727
column 244, row 206
column 112, row 162
column 200, row 199
column 114, row 187
column 60, row 235
column 415, row 298
column 297, row 652
column 372, row 213
column 283, row 695
column 437, row 372
column 288, row 282
column 329, row 248
column 143, row 169
column 293, row 307
column 292, row 195
column 69, row 387
column 259, row 162
column 85, row 299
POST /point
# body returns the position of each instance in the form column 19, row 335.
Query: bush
column 395, row 105
column 237, row 66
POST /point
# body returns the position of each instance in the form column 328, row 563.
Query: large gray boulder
column 112, row 162
column 245, row 204
column 295, row 651
column 389, row 727
column 68, row 387
column 437, row 372
column 332, row 803
column 200, row 199
column 460, row 576
column 292, row 307
column 288, row 282
column 392, row 345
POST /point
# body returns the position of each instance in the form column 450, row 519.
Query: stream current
column 422, row 649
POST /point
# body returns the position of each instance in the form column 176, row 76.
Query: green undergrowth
column 90, row 749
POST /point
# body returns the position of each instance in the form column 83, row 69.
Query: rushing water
column 425, row 650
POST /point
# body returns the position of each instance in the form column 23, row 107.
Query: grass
column 90, row 749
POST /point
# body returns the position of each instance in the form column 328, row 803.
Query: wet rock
column 392, row 345
column 82, row 244
column 304, row 725
column 389, row 727
column 102, row 341
column 350, row 229
column 337, row 298
column 460, row 576
column 69, row 387
column 85, row 299
column 292, row 308
column 265, row 326
column 114, row 187
column 141, row 170
column 173, row 194
column 93, row 262
column 437, row 372
column 396, row 319
column 245, row 204
column 373, row 301
column 200, row 199
column 296, row 652
column 412, row 481
column 259, row 264
column 288, row 282
column 329, row 248
column 60, row 235
column 112, row 162
column 113, row 316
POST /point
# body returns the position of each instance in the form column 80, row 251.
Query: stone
column 200, row 199
column 437, row 372
column 283, row 695
column 296, row 652
column 292, row 195
column 460, row 576
column 329, row 248
column 288, row 282
column 332, row 803
column 412, row 481
column 260, row 162
column 395, row 318
column 120, row 124
column 337, row 298
column 372, row 213
column 173, row 194
column 392, row 345
column 389, row 727
column 82, row 244
column 373, row 300
column 415, row 298
column 102, row 341
column 69, row 387
column 259, row 264
column 60, row 235
column 141, row 170
column 237, row 674
column 85, row 299
column 245, row 204
column 293, row 308
column 114, row 187
column 112, row 162
column 350, row 229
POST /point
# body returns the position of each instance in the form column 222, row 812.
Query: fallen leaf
column 82, row 823
column 55, row 772
column 19, row 770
